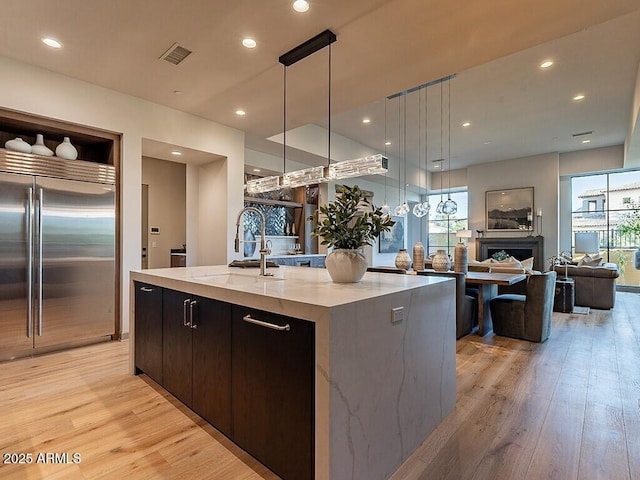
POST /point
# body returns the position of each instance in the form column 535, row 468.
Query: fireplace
column 518, row 247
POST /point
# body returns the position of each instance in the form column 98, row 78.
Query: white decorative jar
column 441, row 261
column 418, row 256
column 403, row 260
column 66, row 150
column 39, row 148
column 17, row 145
column 346, row 266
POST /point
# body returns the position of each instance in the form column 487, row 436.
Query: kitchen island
column 374, row 361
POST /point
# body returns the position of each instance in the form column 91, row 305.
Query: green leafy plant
column 630, row 224
column 501, row 255
column 350, row 221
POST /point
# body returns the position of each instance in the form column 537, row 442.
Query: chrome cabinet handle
column 29, row 220
column 146, row 289
column 247, row 318
column 185, row 305
column 191, row 322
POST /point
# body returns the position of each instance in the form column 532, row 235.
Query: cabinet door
column 212, row 362
column 176, row 344
column 148, row 330
column 273, row 391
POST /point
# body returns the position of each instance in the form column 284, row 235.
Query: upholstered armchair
column 527, row 317
column 466, row 305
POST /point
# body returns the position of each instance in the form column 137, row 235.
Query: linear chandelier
column 369, row 165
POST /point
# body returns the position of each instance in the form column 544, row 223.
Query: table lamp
column 587, row 243
column 460, row 254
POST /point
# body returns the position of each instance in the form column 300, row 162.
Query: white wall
column 34, row 90
column 540, row 172
column 632, row 143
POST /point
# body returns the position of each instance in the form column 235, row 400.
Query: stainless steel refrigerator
column 57, row 253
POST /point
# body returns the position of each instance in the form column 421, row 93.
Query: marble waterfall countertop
column 381, row 386
column 306, row 293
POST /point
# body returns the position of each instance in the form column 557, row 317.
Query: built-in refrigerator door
column 15, row 230
column 75, row 261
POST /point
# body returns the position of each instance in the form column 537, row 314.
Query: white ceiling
column 383, row 47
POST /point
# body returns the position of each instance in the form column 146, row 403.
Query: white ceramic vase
column 39, row 148
column 66, row 150
column 346, row 266
column 441, row 261
column 17, row 145
column 403, row 260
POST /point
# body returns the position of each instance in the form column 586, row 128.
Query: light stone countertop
column 307, row 293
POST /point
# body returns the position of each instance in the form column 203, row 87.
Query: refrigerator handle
column 39, row 236
column 29, row 220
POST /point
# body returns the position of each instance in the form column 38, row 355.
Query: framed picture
column 393, row 240
column 510, row 209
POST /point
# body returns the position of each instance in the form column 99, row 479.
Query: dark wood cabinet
column 273, row 390
column 211, row 372
column 197, row 355
column 148, row 333
column 177, row 344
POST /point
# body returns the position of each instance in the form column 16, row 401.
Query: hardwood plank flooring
column 565, row 409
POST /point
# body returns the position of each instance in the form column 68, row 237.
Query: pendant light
column 425, row 204
column 450, row 207
column 439, row 208
column 385, row 208
column 419, row 208
column 402, row 208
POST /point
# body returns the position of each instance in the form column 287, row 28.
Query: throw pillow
column 591, row 261
column 527, row 264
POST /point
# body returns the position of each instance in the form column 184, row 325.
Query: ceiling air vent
column 582, row 134
column 176, row 54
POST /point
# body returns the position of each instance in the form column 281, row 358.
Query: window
column 604, row 203
column 442, row 228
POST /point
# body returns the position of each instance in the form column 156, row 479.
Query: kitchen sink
column 235, row 279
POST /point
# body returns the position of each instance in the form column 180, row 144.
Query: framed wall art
column 393, row 240
column 510, row 209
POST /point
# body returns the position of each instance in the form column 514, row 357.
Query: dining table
column 487, row 283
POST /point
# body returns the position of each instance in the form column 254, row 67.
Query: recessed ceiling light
column 586, row 141
column 577, row 98
column 437, row 165
column 301, row 6
column 249, row 43
column 256, row 170
column 546, row 64
column 366, row 120
column 487, row 142
column 241, row 113
column 466, row 124
column 387, row 143
column 176, row 153
column 51, row 42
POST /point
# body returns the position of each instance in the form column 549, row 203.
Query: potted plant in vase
column 346, row 225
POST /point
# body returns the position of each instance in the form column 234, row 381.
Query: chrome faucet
column 264, row 250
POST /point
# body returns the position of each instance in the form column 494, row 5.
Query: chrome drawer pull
column 146, row 289
column 247, row 318
column 185, row 305
column 191, row 323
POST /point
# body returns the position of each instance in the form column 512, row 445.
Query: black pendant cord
column 420, row 158
column 426, row 143
column 284, row 121
column 385, row 150
column 441, row 142
column 399, row 171
column 329, row 110
column 404, row 147
column 449, row 135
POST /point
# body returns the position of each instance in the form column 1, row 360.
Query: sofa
column 595, row 286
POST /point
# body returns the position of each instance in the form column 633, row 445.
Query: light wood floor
column 565, row 409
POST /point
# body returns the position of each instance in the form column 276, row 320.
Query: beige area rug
column 581, row 310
